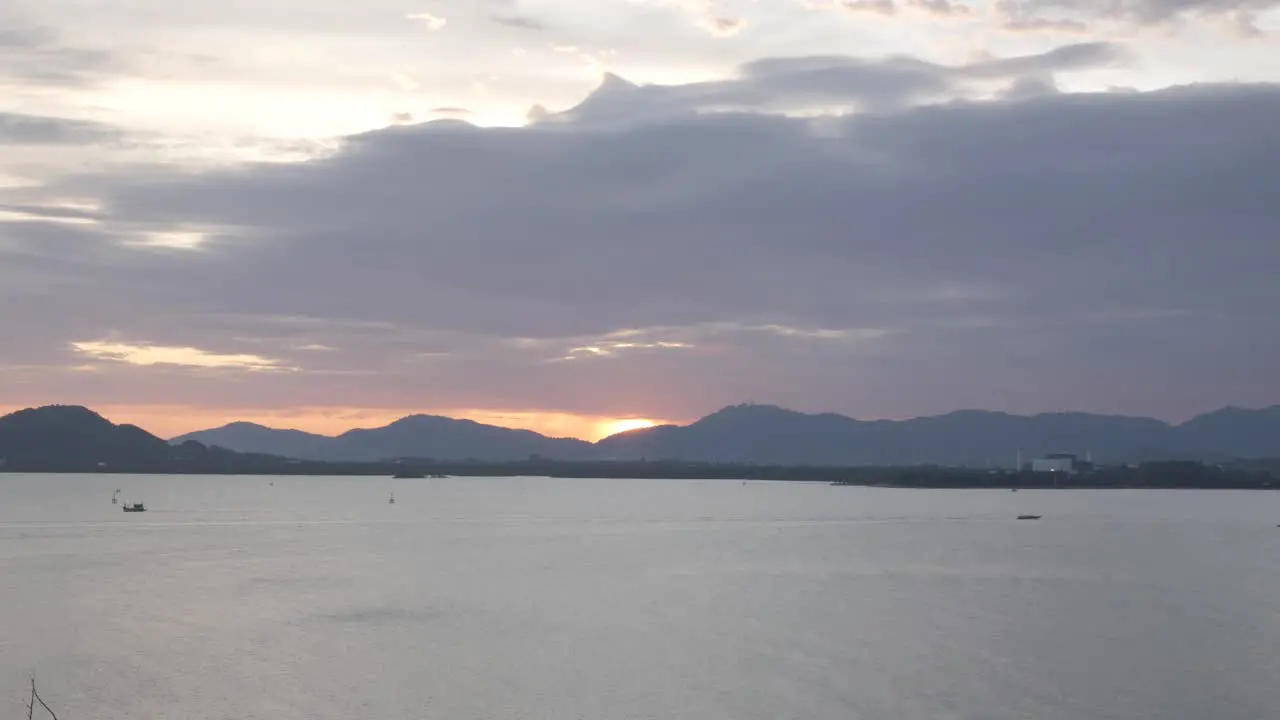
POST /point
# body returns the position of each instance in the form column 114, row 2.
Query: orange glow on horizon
column 613, row 427
column 169, row 421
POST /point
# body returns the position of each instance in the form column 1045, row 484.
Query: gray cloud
column 787, row 83
column 725, row 26
column 941, row 8
column 1020, row 23
column 1030, row 87
column 1070, row 15
column 878, row 7
column 1113, row 251
column 36, row 55
column 19, row 129
column 519, row 22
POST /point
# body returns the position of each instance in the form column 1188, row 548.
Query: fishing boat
column 1029, row 517
column 136, row 507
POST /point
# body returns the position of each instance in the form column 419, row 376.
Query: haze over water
column 559, row 599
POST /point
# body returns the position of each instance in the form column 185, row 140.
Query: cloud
column 37, row 56
column 519, row 22
column 800, row 83
column 1030, row 87
column 1021, row 23
column 432, row 22
column 1069, row 15
column 890, row 8
column 147, row 355
column 19, row 129
column 878, row 7
column 941, row 8
column 725, row 26
column 708, row 15
column 930, row 251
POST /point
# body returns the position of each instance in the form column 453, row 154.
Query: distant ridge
column 743, row 441
column 767, row 434
column 253, row 438
column 415, row 436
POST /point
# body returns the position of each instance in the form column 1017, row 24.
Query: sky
column 576, row 216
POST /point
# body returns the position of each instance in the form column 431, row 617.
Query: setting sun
column 613, row 427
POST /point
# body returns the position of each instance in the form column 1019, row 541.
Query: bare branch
column 35, row 698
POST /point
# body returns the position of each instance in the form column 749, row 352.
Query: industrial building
column 1056, row 463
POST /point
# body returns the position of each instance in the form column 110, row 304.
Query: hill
column 68, row 438
column 71, row 439
column 416, row 436
column 769, row 435
column 432, row 436
column 250, row 437
column 1235, row 432
column 764, row 434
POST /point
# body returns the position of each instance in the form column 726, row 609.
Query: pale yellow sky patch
column 174, row 239
column 147, row 355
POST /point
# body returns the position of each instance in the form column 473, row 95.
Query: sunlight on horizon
column 171, row 421
column 614, row 427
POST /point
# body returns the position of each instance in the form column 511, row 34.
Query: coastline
column 1243, row 475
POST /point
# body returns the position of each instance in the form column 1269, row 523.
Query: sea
column 550, row 599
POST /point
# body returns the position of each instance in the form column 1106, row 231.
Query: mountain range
column 765, row 434
column 69, row 438
column 417, row 436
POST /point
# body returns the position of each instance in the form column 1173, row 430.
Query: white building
column 1055, row 463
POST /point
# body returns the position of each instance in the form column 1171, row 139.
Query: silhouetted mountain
column 416, row 436
column 744, row 441
column 432, row 436
column 761, row 434
column 64, row 438
column 1235, row 432
column 249, row 437
column 70, row 438
column 768, row 435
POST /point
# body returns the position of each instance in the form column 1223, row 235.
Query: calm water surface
column 596, row 599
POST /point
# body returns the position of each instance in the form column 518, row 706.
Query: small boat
column 392, row 499
column 115, row 498
column 136, row 507
column 406, row 475
column 1029, row 517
